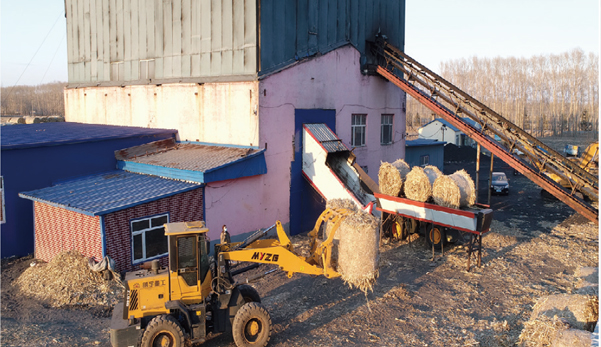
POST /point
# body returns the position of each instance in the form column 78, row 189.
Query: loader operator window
column 186, row 259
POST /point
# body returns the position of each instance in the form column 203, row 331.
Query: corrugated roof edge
column 424, row 142
column 148, row 132
column 217, row 144
column 195, row 185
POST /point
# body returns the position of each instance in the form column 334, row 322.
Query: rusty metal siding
column 120, row 42
column 295, row 29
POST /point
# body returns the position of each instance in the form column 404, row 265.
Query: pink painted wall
column 332, row 81
column 244, row 205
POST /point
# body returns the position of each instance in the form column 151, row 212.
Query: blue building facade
column 35, row 156
column 424, row 152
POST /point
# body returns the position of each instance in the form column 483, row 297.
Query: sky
column 34, row 49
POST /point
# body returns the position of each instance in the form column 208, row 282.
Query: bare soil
column 534, row 249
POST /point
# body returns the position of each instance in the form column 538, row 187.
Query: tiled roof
column 61, row 133
column 107, row 192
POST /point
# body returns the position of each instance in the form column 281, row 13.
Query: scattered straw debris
column 418, row 185
column 68, row 281
column 454, row 191
column 358, row 252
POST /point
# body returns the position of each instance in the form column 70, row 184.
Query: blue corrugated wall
column 38, row 167
column 291, row 30
column 436, row 153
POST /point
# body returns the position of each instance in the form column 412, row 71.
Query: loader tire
column 163, row 331
column 249, row 293
column 252, row 325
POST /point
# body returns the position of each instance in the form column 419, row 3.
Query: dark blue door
column 305, row 203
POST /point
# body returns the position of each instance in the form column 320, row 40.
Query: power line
column 56, row 51
column 36, row 52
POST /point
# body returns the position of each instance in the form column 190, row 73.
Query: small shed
column 423, row 152
column 38, row 155
column 441, row 130
column 116, row 213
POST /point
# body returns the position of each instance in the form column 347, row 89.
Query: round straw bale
column 342, row 203
column 358, row 251
column 391, row 177
column 418, row 185
column 454, row 191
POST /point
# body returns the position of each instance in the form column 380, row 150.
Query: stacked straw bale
column 68, row 281
column 419, row 182
column 358, row 251
column 391, row 177
column 454, row 191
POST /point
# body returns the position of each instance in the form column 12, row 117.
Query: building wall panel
column 182, row 207
column 58, row 230
column 184, row 39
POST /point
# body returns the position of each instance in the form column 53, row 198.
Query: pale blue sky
column 436, row 31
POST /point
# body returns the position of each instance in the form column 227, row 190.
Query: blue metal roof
column 202, row 163
column 423, row 143
column 62, row 133
column 451, row 126
column 107, row 192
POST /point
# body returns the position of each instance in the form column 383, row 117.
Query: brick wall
column 182, row 207
column 58, row 229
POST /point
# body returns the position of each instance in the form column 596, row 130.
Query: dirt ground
column 533, row 249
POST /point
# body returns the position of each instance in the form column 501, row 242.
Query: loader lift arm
column 448, row 101
column 281, row 252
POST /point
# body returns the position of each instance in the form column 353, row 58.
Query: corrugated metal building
column 422, row 152
column 242, row 73
column 155, row 42
column 38, row 155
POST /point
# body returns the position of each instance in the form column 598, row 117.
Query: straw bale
column 358, row 252
column 454, row 191
column 419, row 182
column 67, row 280
column 554, row 316
column 391, row 177
column 342, row 203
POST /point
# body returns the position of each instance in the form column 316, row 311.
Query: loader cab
column 189, row 265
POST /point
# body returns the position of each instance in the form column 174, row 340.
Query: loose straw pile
column 454, row 191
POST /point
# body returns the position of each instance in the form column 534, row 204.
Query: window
column 386, row 129
column 358, row 130
column 424, row 160
column 148, row 237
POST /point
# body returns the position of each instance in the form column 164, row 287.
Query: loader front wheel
column 163, row 331
column 252, row 325
column 249, row 294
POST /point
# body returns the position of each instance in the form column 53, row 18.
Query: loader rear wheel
column 163, row 331
column 252, row 325
column 249, row 294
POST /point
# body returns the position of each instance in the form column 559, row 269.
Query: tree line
column 42, row 100
column 554, row 94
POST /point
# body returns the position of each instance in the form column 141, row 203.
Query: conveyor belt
column 448, row 101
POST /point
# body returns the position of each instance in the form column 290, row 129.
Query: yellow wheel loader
column 197, row 294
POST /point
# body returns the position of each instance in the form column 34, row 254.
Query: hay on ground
column 553, row 317
column 391, row 177
column 67, row 280
column 358, row 250
column 454, row 191
column 418, row 185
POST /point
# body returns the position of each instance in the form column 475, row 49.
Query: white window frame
column 358, row 121
column 424, row 160
column 389, row 118
column 143, row 232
